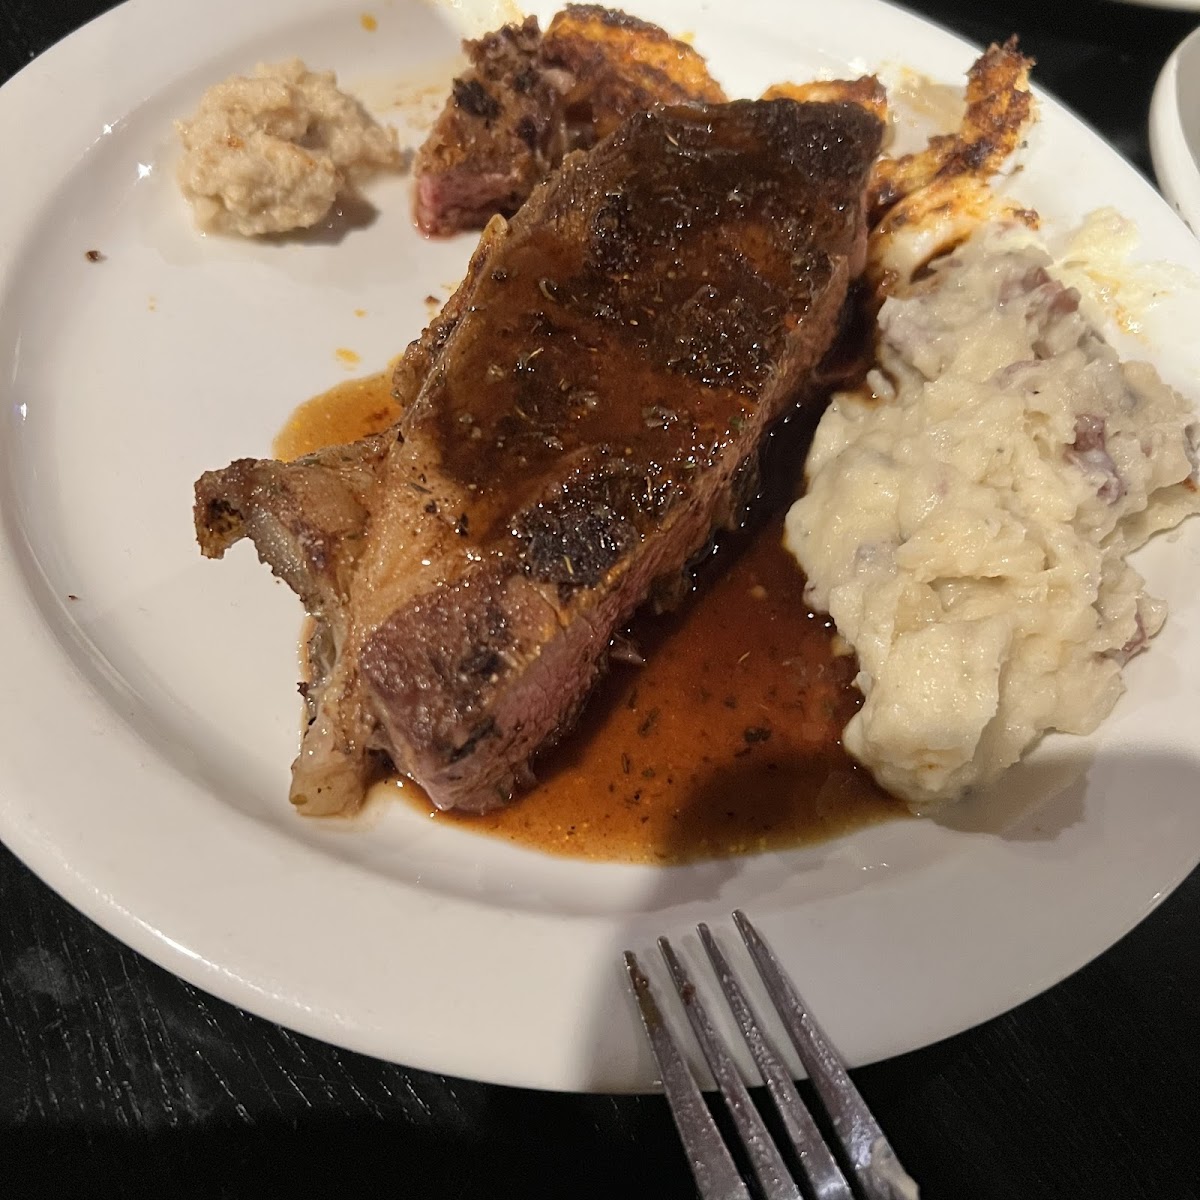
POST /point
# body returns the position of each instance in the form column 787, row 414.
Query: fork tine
column 716, row 1174
column 819, row 1165
column 769, row 1167
column 876, row 1168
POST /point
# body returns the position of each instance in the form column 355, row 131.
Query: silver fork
column 864, row 1151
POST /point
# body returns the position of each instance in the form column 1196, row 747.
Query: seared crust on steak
column 582, row 413
column 305, row 517
column 501, row 131
column 526, row 100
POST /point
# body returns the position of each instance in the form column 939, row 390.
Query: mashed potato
column 968, row 515
column 271, row 153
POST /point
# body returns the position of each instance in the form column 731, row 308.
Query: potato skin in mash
column 968, row 514
column 272, row 152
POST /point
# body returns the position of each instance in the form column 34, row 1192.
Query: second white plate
column 1175, row 129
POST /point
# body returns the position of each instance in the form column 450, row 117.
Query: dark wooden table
column 117, row 1079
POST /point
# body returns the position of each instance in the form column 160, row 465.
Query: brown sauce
column 724, row 741
column 345, row 413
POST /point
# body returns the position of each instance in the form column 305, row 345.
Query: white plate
column 146, row 727
column 1175, row 129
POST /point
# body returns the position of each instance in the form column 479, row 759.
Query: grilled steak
column 527, row 99
column 500, row 132
column 577, row 423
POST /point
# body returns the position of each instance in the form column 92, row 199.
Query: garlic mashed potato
column 272, row 152
column 968, row 514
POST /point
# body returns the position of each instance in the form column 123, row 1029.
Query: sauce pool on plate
column 345, row 413
column 724, row 740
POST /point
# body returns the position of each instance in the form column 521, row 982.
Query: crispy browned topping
column 999, row 108
column 622, row 65
column 527, row 99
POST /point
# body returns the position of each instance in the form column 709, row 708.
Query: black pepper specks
column 472, row 97
column 527, row 132
column 648, row 723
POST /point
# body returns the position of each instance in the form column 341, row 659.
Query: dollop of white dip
column 968, row 514
column 272, row 152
